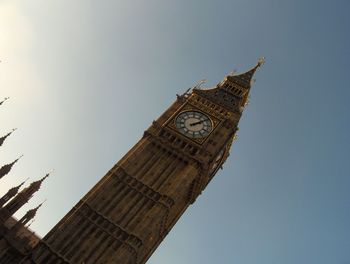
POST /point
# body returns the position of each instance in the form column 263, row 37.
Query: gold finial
column 198, row 85
column 233, row 72
column 261, row 61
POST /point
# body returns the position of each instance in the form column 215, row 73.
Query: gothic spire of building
column 232, row 92
column 245, row 79
column 21, row 198
column 2, row 139
column 34, row 186
column 28, row 216
column 7, row 167
column 10, row 194
column 6, row 98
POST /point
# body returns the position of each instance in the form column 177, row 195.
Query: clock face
column 193, row 124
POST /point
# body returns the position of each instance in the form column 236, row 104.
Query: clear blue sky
column 86, row 78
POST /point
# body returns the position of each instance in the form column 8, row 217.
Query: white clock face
column 193, row 124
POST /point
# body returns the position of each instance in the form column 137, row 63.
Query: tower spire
column 34, row 186
column 21, row 198
column 245, row 79
column 11, row 193
column 2, row 139
column 232, row 92
column 7, row 167
column 29, row 215
column 32, row 212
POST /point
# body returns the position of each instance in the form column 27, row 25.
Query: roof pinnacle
column 2, row 139
column 32, row 212
column 245, row 79
column 7, row 167
column 33, row 187
column 19, row 186
column 28, row 217
column 10, row 193
column 42, row 179
column 39, row 205
column 37, row 184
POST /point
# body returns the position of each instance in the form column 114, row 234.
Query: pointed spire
column 32, row 212
column 35, row 186
column 28, row 216
column 232, row 92
column 7, row 167
column 18, row 186
column 43, row 178
column 245, row 79
column 6, row 98
column 10, row 193
column 23, row 197
column 2, row 139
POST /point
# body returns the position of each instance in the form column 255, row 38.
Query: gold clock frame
column 171, row 123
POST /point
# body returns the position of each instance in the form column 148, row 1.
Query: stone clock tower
column 126, row 215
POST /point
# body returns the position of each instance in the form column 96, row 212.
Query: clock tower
column 127, row 214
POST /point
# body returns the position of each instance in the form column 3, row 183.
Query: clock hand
column 196, row 123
